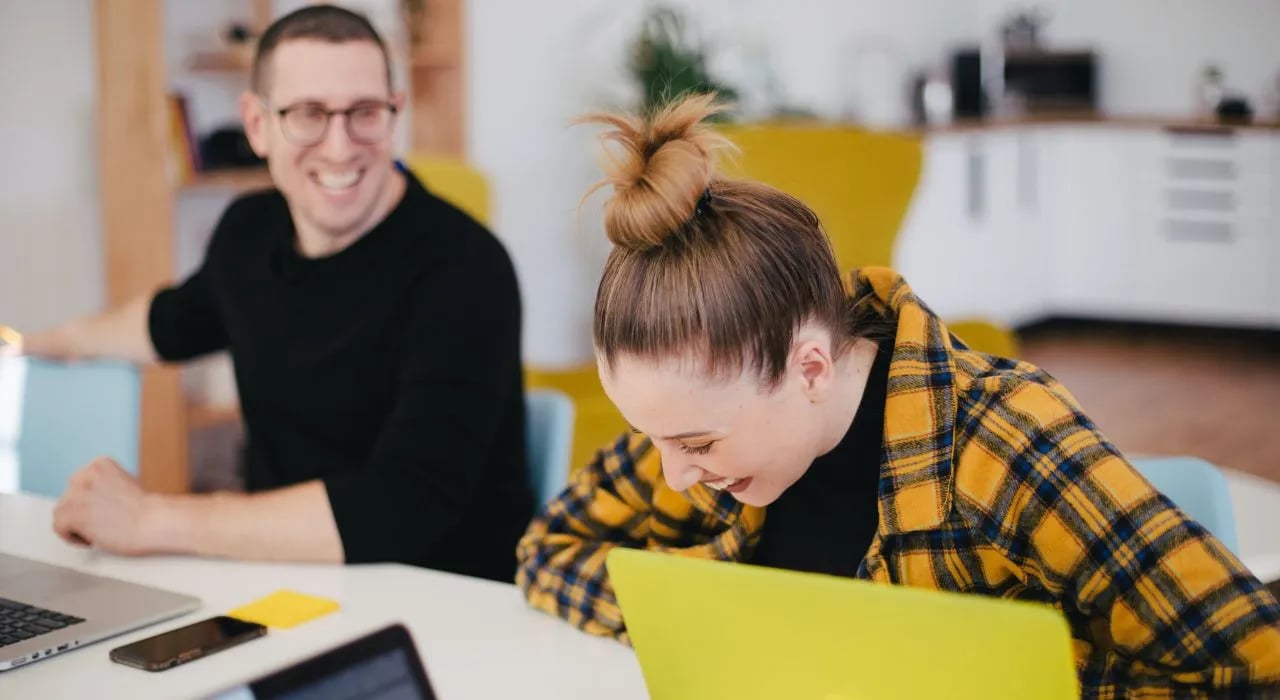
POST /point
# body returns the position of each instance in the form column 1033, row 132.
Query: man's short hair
column 328, row 23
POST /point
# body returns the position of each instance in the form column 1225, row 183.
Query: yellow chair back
column 858, row 182
column 454, row 181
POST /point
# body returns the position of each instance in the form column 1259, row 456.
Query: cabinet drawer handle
column 1028, row 169
column 1199, row 169
column 976, row 180
column 1221, row 136
column 1216, row 201
column 1181, row 231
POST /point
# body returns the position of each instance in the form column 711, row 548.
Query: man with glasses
column 375, row 332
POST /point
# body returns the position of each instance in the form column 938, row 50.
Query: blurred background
column 1087, row 185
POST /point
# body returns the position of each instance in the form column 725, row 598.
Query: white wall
column 50, row 252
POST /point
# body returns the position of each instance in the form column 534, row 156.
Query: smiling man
column 375, row 332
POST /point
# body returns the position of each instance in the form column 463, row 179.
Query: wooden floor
column 1158, row 390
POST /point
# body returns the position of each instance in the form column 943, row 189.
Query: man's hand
column 105, row 507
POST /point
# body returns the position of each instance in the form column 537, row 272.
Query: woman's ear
column 813, row 364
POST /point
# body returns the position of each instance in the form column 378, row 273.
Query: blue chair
column 1199, row 489
column 549, row 437
column 68, row 415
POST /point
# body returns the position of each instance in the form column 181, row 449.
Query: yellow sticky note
column 285, row 609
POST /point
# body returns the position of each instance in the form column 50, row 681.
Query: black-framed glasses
column 306, row 123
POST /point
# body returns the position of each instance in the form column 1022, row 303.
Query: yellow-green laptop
column 706, row 629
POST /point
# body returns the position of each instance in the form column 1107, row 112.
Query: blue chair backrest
column 1199, row 489
column 549, row 426
column 71, row 414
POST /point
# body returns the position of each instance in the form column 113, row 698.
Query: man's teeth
column 338, row 181
column 721, row 484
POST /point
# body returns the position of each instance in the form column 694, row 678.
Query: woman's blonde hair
column 727, row 268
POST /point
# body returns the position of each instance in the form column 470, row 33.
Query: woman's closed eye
column 696, row 449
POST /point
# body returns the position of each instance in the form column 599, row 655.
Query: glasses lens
column 305, row 124
column 369, row 123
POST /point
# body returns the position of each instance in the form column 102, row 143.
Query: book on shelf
column 184, row 152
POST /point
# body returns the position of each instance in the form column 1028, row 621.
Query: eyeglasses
column 307, row 123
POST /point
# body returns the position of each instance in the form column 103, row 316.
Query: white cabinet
column 931, row 250
column 1089, row 222
column 972, row 242
column 1204, row 226
column 1014, row 224
column 1273, row 232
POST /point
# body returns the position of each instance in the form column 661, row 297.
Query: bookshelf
column 138, row 195
column 201, row 416
column 232, row 62
column 232, row 180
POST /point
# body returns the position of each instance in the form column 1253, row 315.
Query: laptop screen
column 381, row 666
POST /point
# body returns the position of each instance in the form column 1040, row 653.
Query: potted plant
column 667, row 61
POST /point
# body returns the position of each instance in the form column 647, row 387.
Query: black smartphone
column 184, row 644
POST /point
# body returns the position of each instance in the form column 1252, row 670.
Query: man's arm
column 289, row 524
column 120, row 333
column 106, row 507
column 173, row 324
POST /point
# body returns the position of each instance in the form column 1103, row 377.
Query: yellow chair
column 860, row 184
column 454, row 181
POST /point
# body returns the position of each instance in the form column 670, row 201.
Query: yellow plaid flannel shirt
column 993, row 481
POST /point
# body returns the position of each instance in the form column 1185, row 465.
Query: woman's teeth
column 721, row 484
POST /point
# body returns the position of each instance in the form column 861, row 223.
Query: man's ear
column 253, row 113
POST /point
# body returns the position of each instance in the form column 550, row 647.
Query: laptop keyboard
column 19, row 622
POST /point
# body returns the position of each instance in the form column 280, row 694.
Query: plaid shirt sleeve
column 621, row 500
column 562, row 554
column 1158, row 605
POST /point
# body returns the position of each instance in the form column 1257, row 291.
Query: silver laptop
column 46, row 610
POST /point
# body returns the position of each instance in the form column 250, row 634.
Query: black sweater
column 389, row 370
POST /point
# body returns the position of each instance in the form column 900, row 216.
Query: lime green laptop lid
column 707, row 629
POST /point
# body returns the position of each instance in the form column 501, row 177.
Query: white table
column 477, row 638
column 1256, row 503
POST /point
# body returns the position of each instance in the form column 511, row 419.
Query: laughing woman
column 785, row 419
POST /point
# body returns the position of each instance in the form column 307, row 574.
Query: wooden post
column 137, row 207
column 437, row 77
column 261, row 15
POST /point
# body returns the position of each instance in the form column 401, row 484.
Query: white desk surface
column 477, row 638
